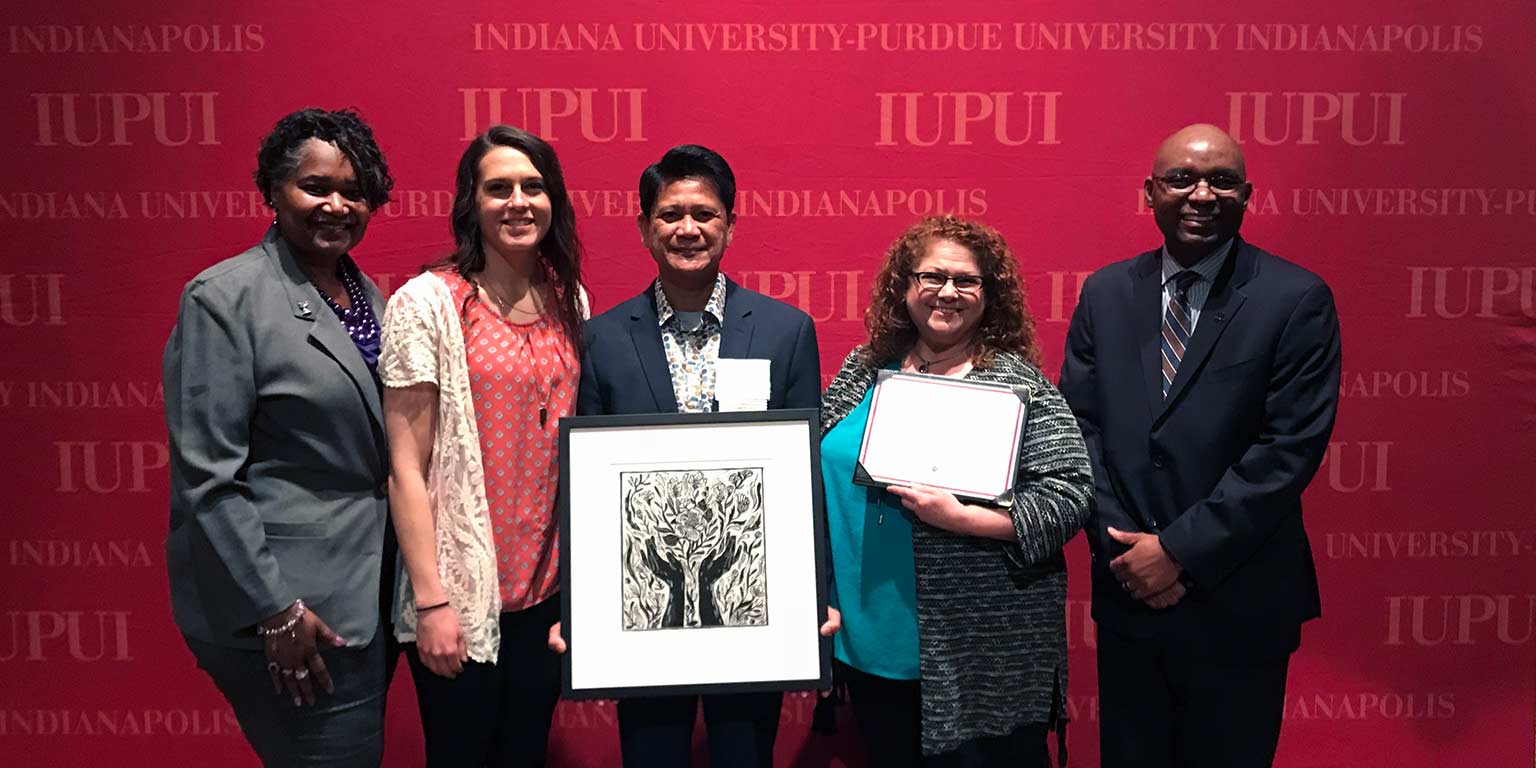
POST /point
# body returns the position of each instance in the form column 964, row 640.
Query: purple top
column 359, row 320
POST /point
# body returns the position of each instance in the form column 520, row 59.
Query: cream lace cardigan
column 423, row 342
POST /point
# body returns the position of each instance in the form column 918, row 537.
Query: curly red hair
column 1005, row 323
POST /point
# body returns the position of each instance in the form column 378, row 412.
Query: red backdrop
column 1389, row 145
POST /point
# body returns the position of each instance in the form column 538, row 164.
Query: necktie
column 1176, row 326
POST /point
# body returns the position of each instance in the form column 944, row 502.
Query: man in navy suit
column 1205, row 376
column 656, row 353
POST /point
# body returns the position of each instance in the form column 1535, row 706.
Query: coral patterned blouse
column 522, row 379
column 423, row 342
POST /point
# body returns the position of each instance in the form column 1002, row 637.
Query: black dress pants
column 890, row 718
column 1175, row 702
column 494, row 714
column 657, row 731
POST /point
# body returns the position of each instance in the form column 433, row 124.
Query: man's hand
column 1145, row 570
column 1168, row 598
column 834, row 622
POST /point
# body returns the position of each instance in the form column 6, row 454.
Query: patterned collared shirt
column 691, row 354
column 1206, row 268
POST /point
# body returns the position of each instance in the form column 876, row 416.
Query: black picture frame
column 670, row 433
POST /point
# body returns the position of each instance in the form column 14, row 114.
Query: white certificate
column 961, row 436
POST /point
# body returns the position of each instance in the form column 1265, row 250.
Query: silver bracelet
column 286, row 626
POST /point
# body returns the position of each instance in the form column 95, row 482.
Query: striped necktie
column 1176, row 326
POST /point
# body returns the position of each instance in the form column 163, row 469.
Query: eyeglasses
column 933, row 282
column 1182, row 183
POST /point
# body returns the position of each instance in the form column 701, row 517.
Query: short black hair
column 688, row 161
column 279, row 154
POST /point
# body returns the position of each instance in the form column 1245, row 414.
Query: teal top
column 873, row 578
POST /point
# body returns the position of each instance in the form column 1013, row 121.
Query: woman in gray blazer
column 278, row 458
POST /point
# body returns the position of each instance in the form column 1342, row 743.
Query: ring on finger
column 300, row 674
column 271, row 666
column 287, row 672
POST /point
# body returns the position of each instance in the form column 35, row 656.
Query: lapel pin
column 1220, row 317
column 304, row 308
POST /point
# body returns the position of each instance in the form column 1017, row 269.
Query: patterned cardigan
column 991, row 615
column 423, row 342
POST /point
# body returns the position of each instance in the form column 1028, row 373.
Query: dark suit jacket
column 1218, row 467
column 278, row 458
column 624, row 368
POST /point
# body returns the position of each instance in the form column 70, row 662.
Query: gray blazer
column 278, row 457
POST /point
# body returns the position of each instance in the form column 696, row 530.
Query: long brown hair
column 1005, row 323
column 560, row 251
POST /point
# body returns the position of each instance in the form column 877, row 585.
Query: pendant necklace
column 924, row 363
column 504, row 307
column 541, row 388
column 540, row 392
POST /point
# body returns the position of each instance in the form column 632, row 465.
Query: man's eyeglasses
column 933, row 282
column 1183, row 183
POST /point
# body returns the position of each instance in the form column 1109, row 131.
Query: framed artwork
column 692, row 554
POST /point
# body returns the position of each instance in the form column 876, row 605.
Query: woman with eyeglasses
column 953, row 649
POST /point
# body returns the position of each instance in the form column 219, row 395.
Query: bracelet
column 286, row 626
column 423, row 609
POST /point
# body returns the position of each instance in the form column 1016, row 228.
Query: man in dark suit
column 656, row 353
column 1205, row 376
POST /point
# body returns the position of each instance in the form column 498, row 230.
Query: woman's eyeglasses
column 933, row 282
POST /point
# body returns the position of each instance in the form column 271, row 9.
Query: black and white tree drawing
column 693, row 549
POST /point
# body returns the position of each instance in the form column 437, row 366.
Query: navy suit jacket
column 1216, row 468
column 624, row 367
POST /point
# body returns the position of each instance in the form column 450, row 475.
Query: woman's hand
column 555, row 640
column 440, row 642
column 936, row 507
column 293, row 654
column 940, row 509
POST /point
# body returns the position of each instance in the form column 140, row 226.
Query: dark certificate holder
column 978, row 465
